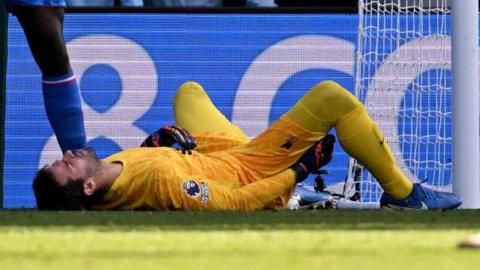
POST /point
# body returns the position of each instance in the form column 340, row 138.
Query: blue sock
column 64, row 111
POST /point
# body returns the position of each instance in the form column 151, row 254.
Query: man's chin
column 90, row 152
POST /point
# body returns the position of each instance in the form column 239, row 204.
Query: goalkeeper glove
column 168, row 135
column 317, row 156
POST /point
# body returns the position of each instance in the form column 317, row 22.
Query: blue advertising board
column 128, row 66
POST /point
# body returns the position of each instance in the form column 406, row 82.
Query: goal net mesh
column 403, row 79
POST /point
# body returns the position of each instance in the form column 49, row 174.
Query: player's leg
column 195, row 112
column 43, row 27
column 327, row 105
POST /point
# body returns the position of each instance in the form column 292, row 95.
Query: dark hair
column 50, row 195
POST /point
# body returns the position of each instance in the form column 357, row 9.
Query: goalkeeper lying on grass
column 226, row 172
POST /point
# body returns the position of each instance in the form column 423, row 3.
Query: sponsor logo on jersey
column 204, row 192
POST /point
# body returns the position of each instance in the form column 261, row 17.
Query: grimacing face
column 80, row 164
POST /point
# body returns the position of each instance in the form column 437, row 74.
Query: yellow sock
column 361, row 138
column 327, row 105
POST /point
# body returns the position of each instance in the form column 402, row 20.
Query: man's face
column 80, row 164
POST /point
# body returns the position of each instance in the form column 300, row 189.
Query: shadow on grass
column 260, row 220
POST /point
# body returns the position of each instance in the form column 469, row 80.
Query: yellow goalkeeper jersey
column 165, row 179
column 248, row 177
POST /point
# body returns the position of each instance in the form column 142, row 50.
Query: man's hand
column 317, row 156
column 168, row 136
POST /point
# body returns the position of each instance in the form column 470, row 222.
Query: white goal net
column 403, row 79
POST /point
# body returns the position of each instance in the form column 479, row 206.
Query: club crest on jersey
column 289, row 143
column 193, row 190
column 191, row 187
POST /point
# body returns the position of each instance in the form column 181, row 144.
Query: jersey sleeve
column 204, row 194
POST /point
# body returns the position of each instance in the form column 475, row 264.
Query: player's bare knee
column 54, row 66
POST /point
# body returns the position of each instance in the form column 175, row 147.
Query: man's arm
column 209, row 195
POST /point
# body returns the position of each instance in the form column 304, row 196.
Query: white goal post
column 466, row 169
column 417, row 74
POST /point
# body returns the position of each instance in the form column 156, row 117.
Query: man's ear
column 89, row 186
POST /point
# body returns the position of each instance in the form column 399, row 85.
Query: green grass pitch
column 330, row 239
